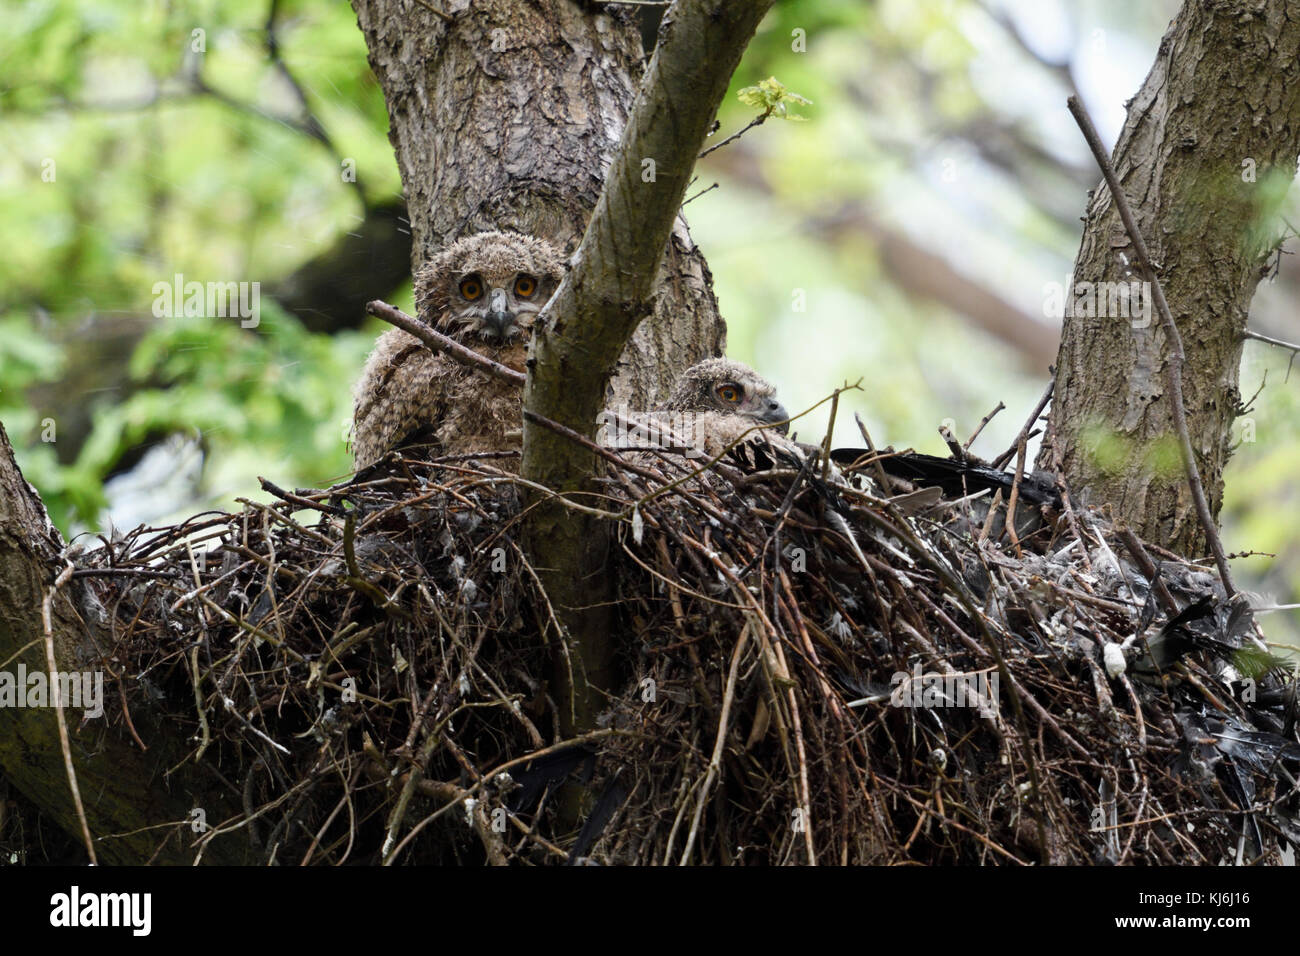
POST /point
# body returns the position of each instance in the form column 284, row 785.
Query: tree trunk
column 1205, row 159
column 505, row 115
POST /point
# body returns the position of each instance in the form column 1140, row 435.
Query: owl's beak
column 499, row 319
column 774, row 411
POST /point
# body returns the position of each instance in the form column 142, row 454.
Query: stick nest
column 373, row 668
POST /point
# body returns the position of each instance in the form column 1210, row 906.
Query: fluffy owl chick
column 722, row 400
column 484, row 291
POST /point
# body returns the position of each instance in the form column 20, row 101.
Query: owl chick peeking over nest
column 484, row 291
column 726, row 401
column 717, row 408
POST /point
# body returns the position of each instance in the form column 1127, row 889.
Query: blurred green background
column 904, row 234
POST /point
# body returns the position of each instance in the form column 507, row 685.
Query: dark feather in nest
column 393, row 654
column 956, row 477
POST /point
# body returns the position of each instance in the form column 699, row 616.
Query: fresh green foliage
column 773, row 99
column 139, row 141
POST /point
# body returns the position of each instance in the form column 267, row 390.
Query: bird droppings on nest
column 371, row 664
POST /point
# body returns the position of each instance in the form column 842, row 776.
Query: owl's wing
column 403, row 393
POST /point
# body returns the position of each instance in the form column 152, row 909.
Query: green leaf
column 772, row 97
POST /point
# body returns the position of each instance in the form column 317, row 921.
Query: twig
column 1176, row 357
column 886, row 488
column 441, row 343
column 826, row 441
column 1015, row 497
column 299, row 500
column 56, row 693
column 686, row 202
column 1148, row 568
column 1002, row 459
column 983, row 421
column 1294, row 349
column 758, row 120
column 949, row 439
column 587, row 443
column 1071, row 519
column 715, row 761
column 1259, row 337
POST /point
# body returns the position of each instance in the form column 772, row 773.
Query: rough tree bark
column 127, row 792
column 505, row 115
column 1205, row 157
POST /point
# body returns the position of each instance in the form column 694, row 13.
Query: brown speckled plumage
column 408, row 393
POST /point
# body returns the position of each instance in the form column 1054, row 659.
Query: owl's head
column 490, row 285
column 721, row 385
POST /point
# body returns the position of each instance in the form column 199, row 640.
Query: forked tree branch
column 604, row 296
column 608, row 289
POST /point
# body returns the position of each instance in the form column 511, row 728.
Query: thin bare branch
column 1177, row 356
column 441, row 343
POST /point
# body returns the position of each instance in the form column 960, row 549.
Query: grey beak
column 775, row 412
column 499, row 319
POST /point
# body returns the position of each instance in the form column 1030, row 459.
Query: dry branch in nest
column 809, row 674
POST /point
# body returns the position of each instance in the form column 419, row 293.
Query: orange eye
column 729, row 393
column 471, row 288
column 525, row 286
